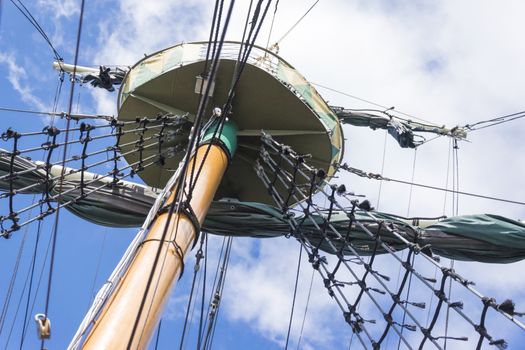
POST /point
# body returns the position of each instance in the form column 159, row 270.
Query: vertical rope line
column 411, row 182
column 203, row 293
column 195, row 303
column 158, row 334
column 271, row 26
column 196, row 270
column 382, row 170
column 455, row 168
column 5, row 307
column 306, row 308
column 456, row 151
column 33, row 264
column 217, row 296
column 447, row 177
column 294, row 295
column 403, row 253
column 95, row 277
column 55, row 229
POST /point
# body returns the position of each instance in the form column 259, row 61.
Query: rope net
column 359, row 278
column 64, row 184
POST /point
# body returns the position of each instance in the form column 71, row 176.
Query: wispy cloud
column 20, row 82
column 60, row 8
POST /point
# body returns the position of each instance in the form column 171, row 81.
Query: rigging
column 27, row 14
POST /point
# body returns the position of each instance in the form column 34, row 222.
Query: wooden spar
column 114, row 327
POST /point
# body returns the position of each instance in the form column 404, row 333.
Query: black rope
column 157, row 338
column 27, row 14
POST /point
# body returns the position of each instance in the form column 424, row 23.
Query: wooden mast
column 113, row 329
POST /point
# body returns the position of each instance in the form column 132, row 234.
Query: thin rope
column 455, row 172
column 306, row 309
column 196, row 270
column 379, row 177
column 496, row 121
column 217, row 297
column 449, row 151
column 299, row 260
column 158, row 334
column 271, row 26
column 14, row 275
column 372, row 103
column 97, row 269
column 70, row 106
column 195, row 303
column 412, row 181
column 382, row 170
column 201, row 318
column 202, row 322
column 27, row 14
column 31, row 279
column 296, row 23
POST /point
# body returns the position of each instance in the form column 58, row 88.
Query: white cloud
column 20, row 82
column 451, row 63
column 60, row 12
column 60, row 8
column 138, row 27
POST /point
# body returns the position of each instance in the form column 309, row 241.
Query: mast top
column 272, row 96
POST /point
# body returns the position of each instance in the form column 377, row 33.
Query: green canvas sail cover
column 484, row 238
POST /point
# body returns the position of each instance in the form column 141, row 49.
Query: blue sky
column 447, row 62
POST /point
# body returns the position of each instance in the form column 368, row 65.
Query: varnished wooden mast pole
column 114, row 327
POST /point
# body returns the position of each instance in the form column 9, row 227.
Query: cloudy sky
column 447, row 62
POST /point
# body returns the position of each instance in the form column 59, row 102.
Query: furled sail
column 484, row 238
column 401, row 130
